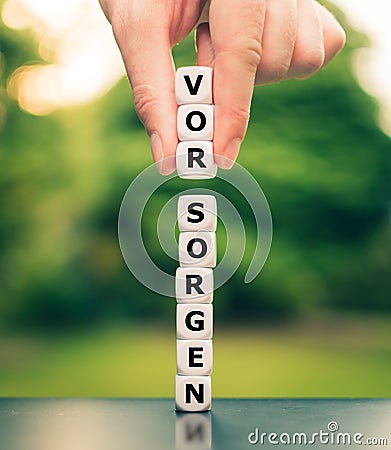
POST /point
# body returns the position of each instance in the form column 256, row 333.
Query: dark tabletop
column 132, row 424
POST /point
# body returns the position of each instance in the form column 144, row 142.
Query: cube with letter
column 194, row 285
column 197, row 221
column 194, row 85
column 194, row 321
column 197, row 212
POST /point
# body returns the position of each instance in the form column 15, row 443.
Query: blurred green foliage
column 321, row 357
column 313, row 146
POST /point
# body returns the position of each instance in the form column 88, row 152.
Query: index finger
column 236, row 28
column 146, row 51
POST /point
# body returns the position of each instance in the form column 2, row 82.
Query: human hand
column 247, row 42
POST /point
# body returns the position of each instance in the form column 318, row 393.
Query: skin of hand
column 246, row 42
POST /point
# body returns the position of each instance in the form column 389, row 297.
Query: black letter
column 190, row 389
column 197, row 158
column 196, row 285
column 195, row 212
column 202, row 117
column 193, row 356
column 191, row 434
column 193, row 90
column 203, row 251
column 200, row 323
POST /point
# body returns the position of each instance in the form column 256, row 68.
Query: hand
column 247, row 42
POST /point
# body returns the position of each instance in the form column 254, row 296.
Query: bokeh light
column 372, row 64
column 77, row 39
column 73, row 320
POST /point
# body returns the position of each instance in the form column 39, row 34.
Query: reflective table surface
column 132, row 424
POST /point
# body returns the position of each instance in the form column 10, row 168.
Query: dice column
column 197, row 221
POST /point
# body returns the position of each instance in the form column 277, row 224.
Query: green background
column 315, row 322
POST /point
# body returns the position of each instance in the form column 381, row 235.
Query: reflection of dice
column 194, row 357
column 197, row 221
column 193, row 431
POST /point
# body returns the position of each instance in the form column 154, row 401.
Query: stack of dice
column 197, row 221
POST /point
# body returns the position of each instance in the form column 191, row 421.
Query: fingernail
column 157, row 151
column 227, row 160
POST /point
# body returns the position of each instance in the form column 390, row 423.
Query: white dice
column 194, row 285
column 197, row 249
column 194, row 357
column 194, row 160
column 193, row 393
column 193, row 85
column 195, row 123
column 193, row 431
column 197, row 212
column 194, row 321
column 197, row 221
